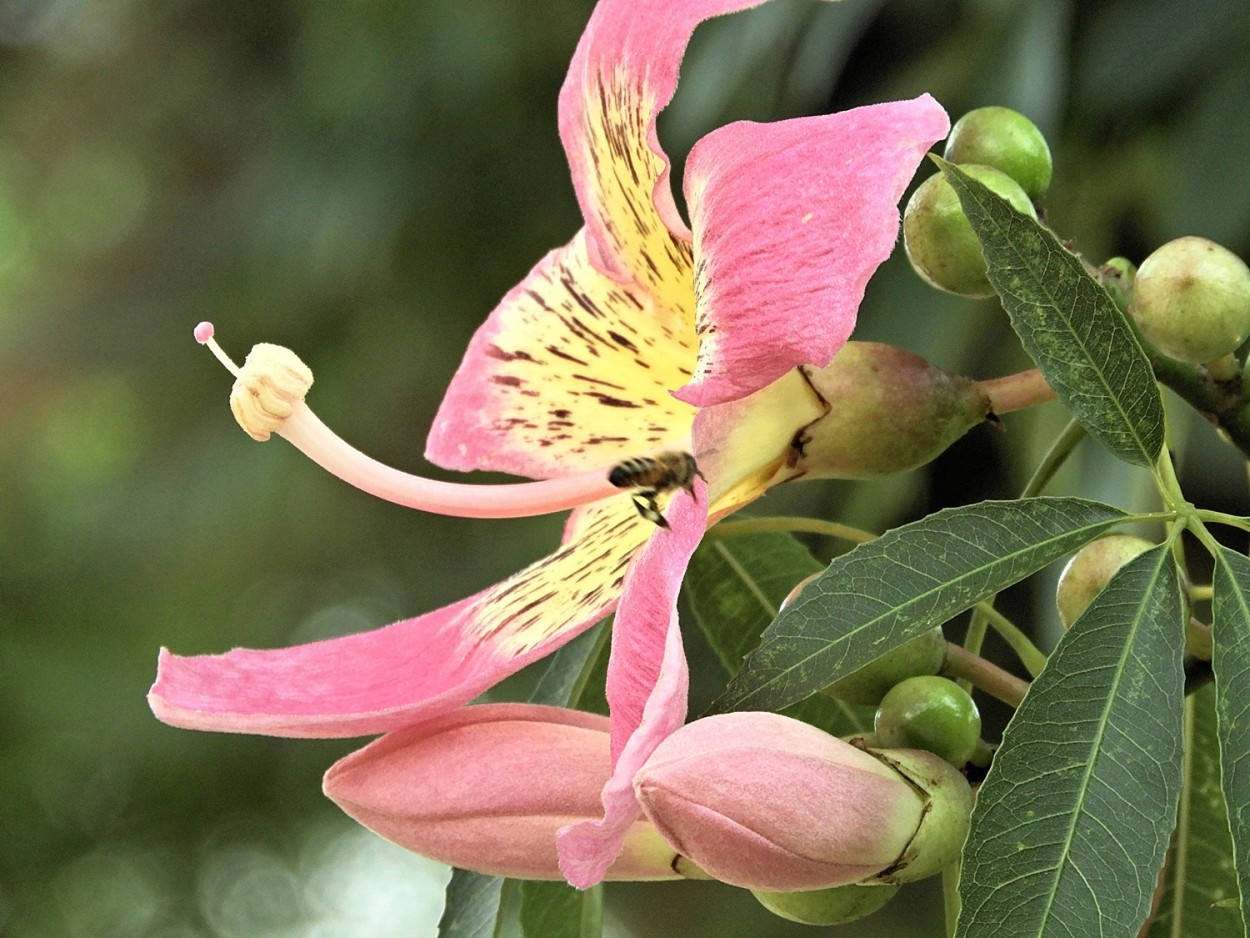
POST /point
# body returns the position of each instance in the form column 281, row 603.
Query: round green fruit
column 929, row 713
column 938, row 238
column 831, row 906
column 1191, row 300
column 1006, row 140
column 1089, row 570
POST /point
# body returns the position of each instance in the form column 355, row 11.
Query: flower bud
column 766, row 802
column 948, row 807
column 487, row 787
column 891, row 411
column 931, row 713
column 1191, row 299
column 938, row 238
column 1117, row 276
column 833, row 906
column 1089, row 570
column 1006, row 140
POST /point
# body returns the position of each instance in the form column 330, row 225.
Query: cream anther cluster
column 269, row 386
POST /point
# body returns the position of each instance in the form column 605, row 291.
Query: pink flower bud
column 487, row 787
column 766, row 802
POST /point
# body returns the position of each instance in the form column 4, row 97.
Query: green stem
column 1218, row 517
column 1028, row 653
column 950, row 897
column 984, row 675
column 1055, row 457
column 793, row 525
column 1060, row 450
column 1203, row 592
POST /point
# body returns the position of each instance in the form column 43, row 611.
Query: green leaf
column 735, row 586
column 1066, row 321
column 1200, row 870
column 473, row 902
column 903, row 583
column 557, row 910
column 1072, row 823
column 1230, row 660
column 566, row 675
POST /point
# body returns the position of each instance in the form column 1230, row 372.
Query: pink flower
column 486, row 788
column 641, row 335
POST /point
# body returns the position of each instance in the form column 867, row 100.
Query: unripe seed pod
column 1191, row 300
column 939, row 240
column 1006, row 140
column 833, row 906
column 1089, row 570
column 891, row 411
column 930, row 713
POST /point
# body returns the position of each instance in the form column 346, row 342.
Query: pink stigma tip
column 203, row 332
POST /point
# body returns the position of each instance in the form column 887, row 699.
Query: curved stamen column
column 268, row 397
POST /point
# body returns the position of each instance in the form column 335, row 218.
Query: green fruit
column 891, row 411
column 938, row 238
column 929, row 713
column 1006, row 140
column 923, row 654
column 1085, row 575
column 831, row 906
column 1191, row 300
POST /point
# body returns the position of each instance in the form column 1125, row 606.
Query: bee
column 654, row 475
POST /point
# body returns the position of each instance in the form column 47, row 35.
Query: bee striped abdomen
column 652, row 476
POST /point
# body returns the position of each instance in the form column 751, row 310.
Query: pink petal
column 416, row 669
column 572, row 371
column 790, row 220
column 647, row 686
column 623, row 74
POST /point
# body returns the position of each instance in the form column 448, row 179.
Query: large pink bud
column 487, row 787
column 767, row 802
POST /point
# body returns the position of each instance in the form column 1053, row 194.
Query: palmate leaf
column 1066, row 321
column 1071, row 825
column 904, row 583
column 1200, row 877
column 1230, row 636
column 735, row 587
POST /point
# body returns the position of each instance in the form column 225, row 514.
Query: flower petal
column 623, row 74
column 486, row 787
column 647, row 686
column 572, row 371
column 790, row 220
column 416, row 669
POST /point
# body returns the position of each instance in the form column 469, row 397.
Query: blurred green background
column 362, row 182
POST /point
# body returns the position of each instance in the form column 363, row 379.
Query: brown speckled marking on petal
column 579, row 581
column 618, row 114
column 576, row 369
